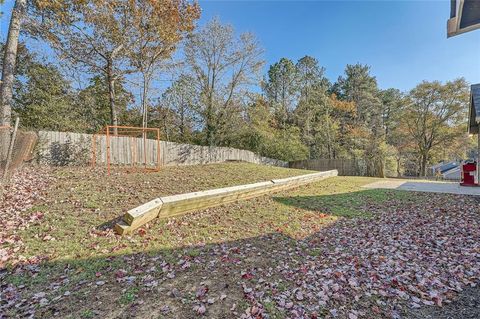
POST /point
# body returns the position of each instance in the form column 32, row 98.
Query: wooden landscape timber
column 175, row 205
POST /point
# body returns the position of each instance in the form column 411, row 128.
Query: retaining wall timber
column 175, row 205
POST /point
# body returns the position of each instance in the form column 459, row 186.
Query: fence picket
column 345, row 167
column 125, row 151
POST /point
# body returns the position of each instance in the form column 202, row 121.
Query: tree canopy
column 214, row 92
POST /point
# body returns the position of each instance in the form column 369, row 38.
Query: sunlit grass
column 73, row 223
column 81, row 244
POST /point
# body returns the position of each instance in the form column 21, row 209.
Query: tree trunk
column 165, row 124
column 210, row 127
column 181, row 127
column 380, row 168
column 8, row 72
column 146, row 84
column 423, row 166
column 399, row 174
column 111, row 97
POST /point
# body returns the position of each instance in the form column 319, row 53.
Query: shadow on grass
column 162, row 283
column 154, row 284
column 110, row 223
column 352, row 204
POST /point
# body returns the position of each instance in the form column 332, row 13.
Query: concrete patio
column 424, row 186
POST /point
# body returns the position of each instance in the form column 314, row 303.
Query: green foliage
column 366, row 134
column 286, row 145
column 45, row 100
column 319, row 130
column 311, row 77
column 267, row 140
column 434, row 118
column 94, row 104
column 392, row 108
column 175, row 112
column 214, row 100
column 281, row 88
column 129, row 296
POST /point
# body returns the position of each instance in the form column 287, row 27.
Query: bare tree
column 156, row 29
column 222, row 67
column 179, row 99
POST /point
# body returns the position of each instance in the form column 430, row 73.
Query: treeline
column 219, row 96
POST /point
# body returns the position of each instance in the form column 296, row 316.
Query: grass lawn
column 250, row 258
column 82, row 206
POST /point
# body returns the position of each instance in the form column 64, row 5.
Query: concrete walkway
column 424, row 186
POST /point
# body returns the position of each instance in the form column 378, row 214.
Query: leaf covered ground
column 330, row 249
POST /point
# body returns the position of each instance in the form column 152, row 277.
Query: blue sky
column 404, row 42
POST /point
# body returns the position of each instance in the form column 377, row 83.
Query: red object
column 468, row 174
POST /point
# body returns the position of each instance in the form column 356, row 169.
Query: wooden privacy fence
column 64, row 148
column 345, row 167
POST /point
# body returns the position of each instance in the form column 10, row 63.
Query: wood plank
column 179, row 204
column 143, row 214
column 122, row 228
column 175, row 205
